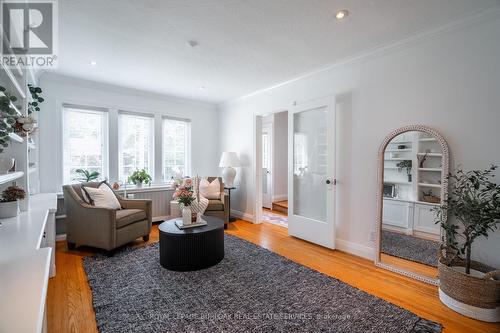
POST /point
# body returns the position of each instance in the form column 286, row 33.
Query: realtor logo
column 29, row 33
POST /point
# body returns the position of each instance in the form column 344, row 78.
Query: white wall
column 60, row 89
column 280, row 156
column 449, row 81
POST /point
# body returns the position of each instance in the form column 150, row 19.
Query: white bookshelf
column 21, row 148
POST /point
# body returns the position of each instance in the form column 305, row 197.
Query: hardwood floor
column 70, row 300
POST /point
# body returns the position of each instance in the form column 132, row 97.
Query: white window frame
column 187, row 155
column 152, row 157
column 67, row 108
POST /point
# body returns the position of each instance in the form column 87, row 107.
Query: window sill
column 146, row 188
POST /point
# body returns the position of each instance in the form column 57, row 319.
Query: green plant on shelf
column 37, row 99
column 8, row 117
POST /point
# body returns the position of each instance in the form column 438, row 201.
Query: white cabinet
column 425, row 219
column 411, row 218
column 398, row 214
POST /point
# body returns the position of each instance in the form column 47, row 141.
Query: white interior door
column 266, row 165
column 311, row 171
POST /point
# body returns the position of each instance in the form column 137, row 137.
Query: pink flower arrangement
column 184, row 192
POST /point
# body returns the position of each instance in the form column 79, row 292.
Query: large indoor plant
column 9, row 204
column 86, row 175
column 139, row 177
column 473, row 210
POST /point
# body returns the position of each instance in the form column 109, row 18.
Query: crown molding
column 387, row 48
column 62, row 78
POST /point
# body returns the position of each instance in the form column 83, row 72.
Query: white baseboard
column 60, row 237
column 241, row 215
column 280, row 197
column 355, row 249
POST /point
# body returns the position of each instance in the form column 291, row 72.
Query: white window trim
column 188, row 170
column 152, row 155
column 105, row 140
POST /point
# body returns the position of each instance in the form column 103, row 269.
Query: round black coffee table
column 193, row 248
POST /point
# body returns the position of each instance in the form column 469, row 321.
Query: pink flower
column 188, row 182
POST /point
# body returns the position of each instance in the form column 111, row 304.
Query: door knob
column 328, row 181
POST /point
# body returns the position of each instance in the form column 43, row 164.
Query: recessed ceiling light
column 202, row 88
column 93, row 63
column 342, row 14
column 192, row 43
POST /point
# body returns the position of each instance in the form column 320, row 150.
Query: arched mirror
column 413, row 165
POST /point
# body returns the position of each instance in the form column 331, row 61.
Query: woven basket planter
column 476, row 297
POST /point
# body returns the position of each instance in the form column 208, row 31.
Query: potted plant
column 9, row 204
column 86, row 175
column 406, row 164
column 139, row 177
column 467, row 286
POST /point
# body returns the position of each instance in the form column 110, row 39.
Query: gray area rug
column 411, row 248
column 251, row 290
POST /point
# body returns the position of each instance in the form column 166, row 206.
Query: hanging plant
column 7, row 117
column 37, row 99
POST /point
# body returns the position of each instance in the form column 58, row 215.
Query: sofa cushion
column 125, row 217
column 210, row 190
column 215, row 205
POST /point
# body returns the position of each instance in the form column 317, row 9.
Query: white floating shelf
column 9, row 177
column 15, row 137
column 14, row 81
column 427, row 140
column 396, row 159
column 397, row 150
column 397, row 182
column 31, row 170
column 31, row 146
column 391, row 168
column 429, row 185
column 398, row 142
column 430, row 169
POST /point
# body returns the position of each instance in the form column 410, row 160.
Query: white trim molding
column 355, row 249
column 243, row 216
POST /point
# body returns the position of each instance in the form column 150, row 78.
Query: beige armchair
column 219, row 208
column 104, row 228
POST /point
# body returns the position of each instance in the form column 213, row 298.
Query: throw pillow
column 102, row 196
column 210, row 190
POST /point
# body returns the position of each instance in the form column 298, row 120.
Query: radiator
column 160, row 199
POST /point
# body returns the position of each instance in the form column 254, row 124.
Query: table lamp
column 228, row 161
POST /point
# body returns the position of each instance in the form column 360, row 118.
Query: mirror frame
column 380, row 186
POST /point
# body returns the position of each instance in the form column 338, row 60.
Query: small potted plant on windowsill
column 86, row 175
column 139, row 177
column 467, row 286
column 9, row 204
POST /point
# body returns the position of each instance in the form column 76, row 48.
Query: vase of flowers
column 184, row 194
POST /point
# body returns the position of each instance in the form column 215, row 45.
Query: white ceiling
column 244, row 45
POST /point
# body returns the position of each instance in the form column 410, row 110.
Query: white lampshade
column 229, row 159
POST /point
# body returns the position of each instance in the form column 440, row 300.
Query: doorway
column 274, row 148
column 311, row 151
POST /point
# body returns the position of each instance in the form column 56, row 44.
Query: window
column 176, row 148
column 136, row 147
column 85, row 142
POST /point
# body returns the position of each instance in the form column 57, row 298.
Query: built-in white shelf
column 16, row 138
column 9, row 177
column 31, row 170
column 431, row 154
column 397, row 150
column 31, row 146
column 14, row 81
column 396, row 159
column 427, row 140
column 430, row 169
column 429, row 185
column 397, row 182
column 391, row 168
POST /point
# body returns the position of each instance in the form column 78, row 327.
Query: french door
column 311, row 171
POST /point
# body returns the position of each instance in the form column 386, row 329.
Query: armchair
column 101, row 227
